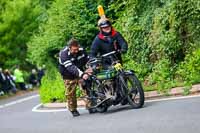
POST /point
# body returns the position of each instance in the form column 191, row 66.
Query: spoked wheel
column 134, row 90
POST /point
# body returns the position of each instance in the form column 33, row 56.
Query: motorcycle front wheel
column 134, row 90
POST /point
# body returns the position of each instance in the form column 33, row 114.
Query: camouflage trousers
column 70, row 93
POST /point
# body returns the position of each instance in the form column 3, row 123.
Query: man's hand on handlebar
column 85, row 76
column 87, row 73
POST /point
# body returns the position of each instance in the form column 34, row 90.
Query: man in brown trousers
column 72, row 60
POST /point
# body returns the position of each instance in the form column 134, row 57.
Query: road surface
column 169, row 116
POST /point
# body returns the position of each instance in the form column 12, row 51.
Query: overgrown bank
column 163, row 38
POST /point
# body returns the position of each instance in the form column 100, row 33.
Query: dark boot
column 75, row 113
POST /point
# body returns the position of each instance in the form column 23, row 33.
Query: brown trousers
column 70, row 93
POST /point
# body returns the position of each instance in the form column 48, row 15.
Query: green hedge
column 19, row 20
column 66, row 19
column 163, row 38
column 52, row 88
column 189, row 70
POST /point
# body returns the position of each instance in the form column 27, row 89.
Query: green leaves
column 52, row 89
column 160, row 34
column 65, row 21
column 189, row 70
column 19, row 20
column 163, row 35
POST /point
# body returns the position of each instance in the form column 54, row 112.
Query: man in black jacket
column 72, row 60
column 33, row 80
column 108, row 40
column 2, row 82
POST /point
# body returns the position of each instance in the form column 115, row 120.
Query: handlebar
column 94, row 60
column 102, row 57
column 108, row 54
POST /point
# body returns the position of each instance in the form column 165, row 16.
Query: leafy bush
column 52, row 88
column 159, row 33
column 19, row 20
column 161, row 76
column 139, row 69
column 161, row 36
column 66, row 19
column 189, row 70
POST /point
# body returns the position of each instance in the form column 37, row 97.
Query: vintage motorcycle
column 113, row 85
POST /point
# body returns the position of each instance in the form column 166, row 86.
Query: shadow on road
column 121, row 108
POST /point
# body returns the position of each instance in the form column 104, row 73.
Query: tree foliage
column 163, row 35
column 19, row 20
column 159, row 30
column 65, row 21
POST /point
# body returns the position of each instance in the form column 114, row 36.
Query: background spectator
column 19, row 78
column 2, row 82
column 40, row 74
column 10, row 84
column 33, row 78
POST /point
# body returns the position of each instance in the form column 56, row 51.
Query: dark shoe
column 75, row 113
column 92, row 110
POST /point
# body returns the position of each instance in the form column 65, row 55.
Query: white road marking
column 18, row 101
column 36, row 108
column 172, row 98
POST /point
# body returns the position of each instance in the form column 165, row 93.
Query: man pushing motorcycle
column 72, row 60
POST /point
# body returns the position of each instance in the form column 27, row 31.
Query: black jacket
column 72, row 67
column 2, row 78
column 105, row 44
column 33, row 79
column 10, row 83
column 2, row 81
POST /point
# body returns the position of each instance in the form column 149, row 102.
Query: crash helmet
column 104, row 22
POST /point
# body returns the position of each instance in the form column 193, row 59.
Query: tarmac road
column 178, row 115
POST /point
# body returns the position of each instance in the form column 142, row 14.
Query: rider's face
column 106, row 29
